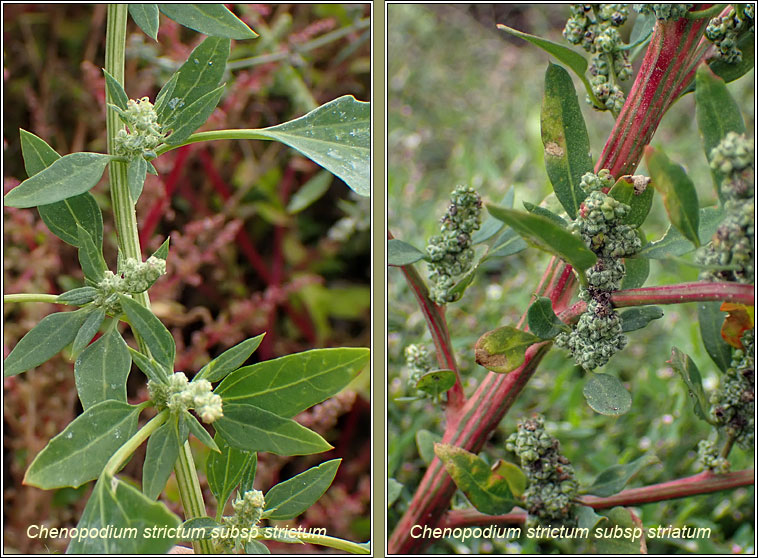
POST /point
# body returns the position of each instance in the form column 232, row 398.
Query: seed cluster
column 724, row 31
column 419, row 362
column 552, row 486
column 133, row 277
column 181, row 395
column 450, row 252
column 665, row 12
column 144, row 133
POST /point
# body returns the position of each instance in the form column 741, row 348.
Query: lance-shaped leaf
column 337, row 136
column 508, row 243
column 673, row 243
column 199, row 431
column 436, row 382
column 147, row 17
column 115, row 91
column 44, row 341
column 614, row 478
column 542, row 319
column 162, row 452
column 564, row 135
column 634, row 192
column 165, row 94
column 101, row 370
column 293, row 383
column 310, row 192
column 537, row 210
column 193, row 116
column 248, row 474
column 38, row 155
column 136, row 171
column 79, row 453
column 229, row 360
column 212, row 19
column 678, row 192
column 77, row 297
column 571, row 58
column 153, row 332
column 401, row 253
column 149, row 367
column 637, row 318
column 90, row 257
column 122, row 508
column 224, row 470
column 487, row 491
column 605, row 394
column 67, row 177
column 711, row 320
column 292, row 497
column 252, row 429
column 503, row 349
column 87, row 332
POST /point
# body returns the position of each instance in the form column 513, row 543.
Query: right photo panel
column 570, row 346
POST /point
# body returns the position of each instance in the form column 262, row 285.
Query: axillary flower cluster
column 248, row 511
column 724, row 31
column 179, row 395
column 597, row 336
column 144, row 134
column 133, row 277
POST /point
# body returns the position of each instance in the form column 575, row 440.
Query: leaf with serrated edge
column 101, row 370
column 502, row 350
column 292, row 497
column 229, row 360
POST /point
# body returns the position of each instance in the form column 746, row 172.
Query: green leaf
column 605, row 394
column 149, row 367
column 38, row 155
column 513, row 475
column 292, row 497
column 43, row 341
column 79, row 453
column 537, row 210
column 337, row 136
column 101, row 370
column 629, row 537
column 248, row 474
column 639, row 199
column 507, row 244
column 638, row 317
column 193, row 116
column 88, row 330
column 587, row 518
column 503, row 349
column 309, row 192
column 63, row 218
column 491, row 226
column 116, row 505
column 136, row 171
column 211, row 19
column 425, row 441
column 229, row 360
column 224, row 470
column 146, row 16
column 151, row 330
column 191, row 528
column 732, row 71
column 200, row 432
column 717, row 115
column 67, row 177
column 394, row 488
column 115, row 90
column 637, row 271
column 571, row 58
column 254, row 546
column 162, row 453
column 488, row 492
column 436, row 382
column 400, row 253
column 711, row 319
column 547, row 235
column 542, row 320
column 674, row 244
column 252, row 429
column 614, row 478
column 678, row 191
column 166, row 93
column 564, row 135
column 162, row 251
column 687, row 369
column 77, row 297
column 90, row 257
column 293, row 383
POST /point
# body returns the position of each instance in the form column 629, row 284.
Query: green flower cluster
column 133, row 277
column 181, row 395
column 419, row 362
column 248, row 511
column 450, row 252
column 597, row 335
column 723, row 31
column 666, row 12
column 595, row 28
column 144, row 133
column 710, row 457
column 552, row 487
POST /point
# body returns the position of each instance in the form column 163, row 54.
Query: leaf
column 507, row 244
column 191, row 528
column 394, row 488
column 606, row 395
column 564, row 135
column 38, row 155
column 622, row 535
column 147, row 17
column 436, row 382
column 739, row 319
column 637, row 318
column 674, row 244
column 732, row 71
column 77, row 297
column 571, row 58
column 293, row 383
column 115, row 90
column 637, row 272
column 254, row 546
column 292, row 497
column 224, row 470
column 614, row 478
column 193, row 116
column 400, row 253
column 101, row 370
column 90, row 257
column 88, row 330
column 162, row 251
column 488, row 492
column 248, row 474
column 310, row 192
column 211, row 19
column 136, row 171
column 162, row 453
column 43, row 341
column 67, row 177
column 547, row 235
column 678, row 191
column 200, row 433
column 63, row 218
column 503, row 349
column 425, row 441
column 166, row 93
column 337, row 136
column 513, row 475
column 711, row 320
column 252, row 429
column 229, row 360
column 634, row 192
column 149, row 367
column 491, row 226
column 537, row 210
column 151, row 330
column 587, row 518
column 542, row 319
column 115, row 505
column 79, row 453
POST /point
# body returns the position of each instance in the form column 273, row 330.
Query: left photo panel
column 187, row 278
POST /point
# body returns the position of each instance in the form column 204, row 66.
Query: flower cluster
column 709, row 455
column 181, row 395
column 552, row 486
column 133, row 277
column 419, row 362
column 665, row 12
column 248, row 511
column 597, row 335
column 595, row 28
column 144, row 133
column 450, row 252
column 723, row 31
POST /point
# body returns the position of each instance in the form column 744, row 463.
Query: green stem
column 331, row 542
column 31, row 297
column 118, row 459
column 128, row 242
column 709, row 13
column 213, row 135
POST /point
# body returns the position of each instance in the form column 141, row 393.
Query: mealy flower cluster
column 144, row 133
column 552, row 486
column 595, row 28
column 133, row 277
column 181, row 395
column 733, row 404
column 248, row 510
column 665, row 12
column 450, row 252
column 724, row 31
column 419, row 362
column 597, row 336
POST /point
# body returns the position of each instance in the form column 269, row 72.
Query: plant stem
column 708, row 13
column 118, row 459
column 128, row 241
column 31, row 297
column 331, row 542
column 214, row 135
